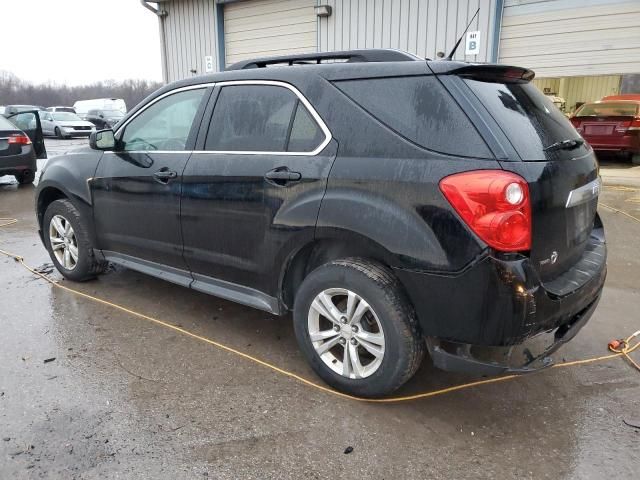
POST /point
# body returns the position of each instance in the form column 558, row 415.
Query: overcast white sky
column 79, row 41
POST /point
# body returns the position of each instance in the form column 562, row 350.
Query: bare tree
column 14, row 91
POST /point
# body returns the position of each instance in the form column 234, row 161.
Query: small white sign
column 208, row 64
column 473, row 43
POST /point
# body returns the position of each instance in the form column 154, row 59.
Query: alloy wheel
column 63, row 242
column 346, row 333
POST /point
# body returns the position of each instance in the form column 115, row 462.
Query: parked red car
column 611, row 125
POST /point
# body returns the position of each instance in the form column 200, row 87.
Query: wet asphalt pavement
column 125, row 398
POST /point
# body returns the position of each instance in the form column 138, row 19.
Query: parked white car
column 64, row 125
column 82, row 107
column 61, row 109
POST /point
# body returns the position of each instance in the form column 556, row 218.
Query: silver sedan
column 65, row 125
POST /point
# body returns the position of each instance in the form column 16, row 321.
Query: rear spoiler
column 484, row 72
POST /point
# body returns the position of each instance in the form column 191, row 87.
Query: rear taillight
column 635, row 124
column 19, row 140
column 495, row 204
column 577, row 124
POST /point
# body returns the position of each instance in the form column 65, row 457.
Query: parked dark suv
column 393, row 204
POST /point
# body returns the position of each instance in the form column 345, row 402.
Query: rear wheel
column 356, row 327
column 68, row 242
column 26, row 178
column 635, row 158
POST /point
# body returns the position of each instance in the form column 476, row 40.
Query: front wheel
column 635, row 158
column 68, row 242
column 58, row 133
column 357, row 329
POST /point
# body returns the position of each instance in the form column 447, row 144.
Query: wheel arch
column 321, row 250
column 46, row 197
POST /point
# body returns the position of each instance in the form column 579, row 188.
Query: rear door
column 253, row 188
column 46, row 119
column 29, row 122
column 136, row 189
column 555, row 161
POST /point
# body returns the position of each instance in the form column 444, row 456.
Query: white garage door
column 558, row 38
column 262, row 28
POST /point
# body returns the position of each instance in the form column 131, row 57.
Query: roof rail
column 352, row 56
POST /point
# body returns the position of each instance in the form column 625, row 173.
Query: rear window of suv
column 419, row 109
column 527, row 117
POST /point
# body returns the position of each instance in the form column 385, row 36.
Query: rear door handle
column 282, row 175
column 164, row 175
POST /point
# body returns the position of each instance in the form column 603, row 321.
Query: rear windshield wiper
column 565, row 144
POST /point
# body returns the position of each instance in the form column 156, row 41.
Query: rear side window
column 305, row 132
column 529, row 119
column 261, row 118
column 421, row 110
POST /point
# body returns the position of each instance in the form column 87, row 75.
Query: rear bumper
column 77, row 133
column 16, row 164
column 625, row 143
column 494, row 312
column 529, row 356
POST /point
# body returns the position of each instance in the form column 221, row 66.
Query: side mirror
column 102, row 140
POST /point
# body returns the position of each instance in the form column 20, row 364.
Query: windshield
column 113, row 113
column 65, row 116
column 527, row 117
column 608, row 109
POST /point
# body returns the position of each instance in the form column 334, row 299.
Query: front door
column 252, row 191
column 29, row 122
column 136, row 189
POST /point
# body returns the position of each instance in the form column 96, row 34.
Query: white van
column 82, row 107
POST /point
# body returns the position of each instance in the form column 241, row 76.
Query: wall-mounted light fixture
column 323, row 10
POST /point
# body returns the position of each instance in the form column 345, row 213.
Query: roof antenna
column 450, row 56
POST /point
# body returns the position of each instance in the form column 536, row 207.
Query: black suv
column 393, row 204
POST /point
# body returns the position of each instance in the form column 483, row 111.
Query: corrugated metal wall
column 580, row 89
column 190, row 35
column 589, row 89
column 572, row 37
column 553, row 84
column 422, row 27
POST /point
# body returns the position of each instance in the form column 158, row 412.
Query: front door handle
column 164, row 175
column 282, row 175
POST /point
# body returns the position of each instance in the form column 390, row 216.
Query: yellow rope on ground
column 619, row 211
column 624, row 351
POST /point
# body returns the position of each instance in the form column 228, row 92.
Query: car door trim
column 312, row 111
column 202, row 283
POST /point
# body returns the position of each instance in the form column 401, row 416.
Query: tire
column 58, row 133
column 635, row 158
column 390, row 313
column 26, row 178
column 85, row 266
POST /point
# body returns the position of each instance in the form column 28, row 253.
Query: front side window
column 261, row 118
column 165, row 125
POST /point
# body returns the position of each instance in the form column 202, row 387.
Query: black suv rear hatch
column 560, row 168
